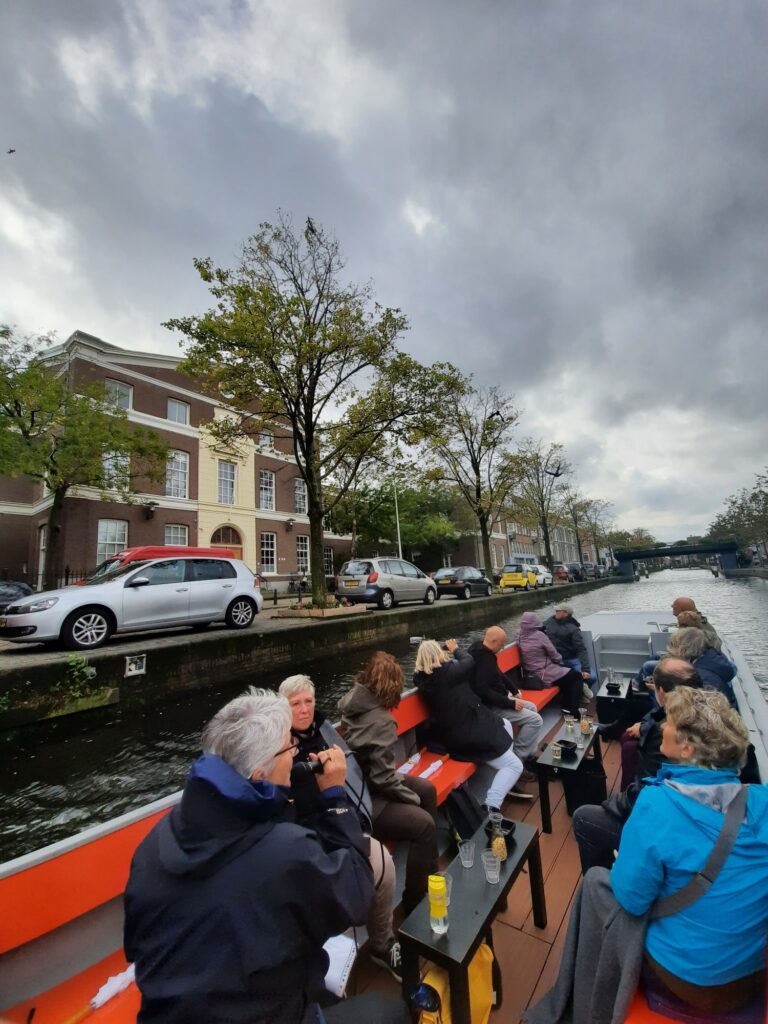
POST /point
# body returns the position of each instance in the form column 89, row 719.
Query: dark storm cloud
column 567, row 199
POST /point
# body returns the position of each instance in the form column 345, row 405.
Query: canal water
column 57, row 781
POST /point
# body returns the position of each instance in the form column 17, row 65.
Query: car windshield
column 113, row 574
column 444, row 572
column 513, row 568
column 356, row 569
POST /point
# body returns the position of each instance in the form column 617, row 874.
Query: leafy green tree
column 574, row 513
column 745, row 517
column 542, row 475
column 597, row 516
column 469, row 448
column 66, row 435
column 290, row 346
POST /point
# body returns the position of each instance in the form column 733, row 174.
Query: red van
column 143, row 554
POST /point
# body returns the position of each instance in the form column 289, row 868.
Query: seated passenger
column 715, row 669
column 597, row 827
column 501, row 695
column 565, row 633
column 541, row 657
column 404, row 807
column 687, row 604
column 314, row 734
column 228, row 904
column 710, row 954
column 467, row 728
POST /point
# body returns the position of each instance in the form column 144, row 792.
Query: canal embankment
column 140, row 671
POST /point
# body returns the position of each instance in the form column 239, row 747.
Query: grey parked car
column 155, row 594
column 384, row 581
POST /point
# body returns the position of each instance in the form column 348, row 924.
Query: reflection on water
column 55, row 785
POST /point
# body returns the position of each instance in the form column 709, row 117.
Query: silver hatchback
column 155, row 594
column 384, row 581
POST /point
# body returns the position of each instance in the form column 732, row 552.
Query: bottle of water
column 438, row 905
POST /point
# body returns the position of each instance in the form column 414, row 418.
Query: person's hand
column 451, row 645
column 634, row 731
column 519, row 705
column 334, row 767
column 585, row 675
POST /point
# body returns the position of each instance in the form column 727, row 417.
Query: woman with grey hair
column 715, row 669
column 314, row 733
column 706, row 951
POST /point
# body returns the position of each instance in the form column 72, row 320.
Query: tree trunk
column 486, row 541
column 547, row 546
column 54, row 570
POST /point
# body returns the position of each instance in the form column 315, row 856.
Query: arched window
column 227, row 537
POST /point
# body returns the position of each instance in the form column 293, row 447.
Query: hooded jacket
column 667, row 839
column 371, row 732
column 228, row 905
column 469, row 730
column 539, row 654
column 565, row 634
column 717, row 672
column 489, row 682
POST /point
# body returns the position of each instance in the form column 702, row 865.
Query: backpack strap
column 702, row 880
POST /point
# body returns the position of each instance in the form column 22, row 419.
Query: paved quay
column 38, row 682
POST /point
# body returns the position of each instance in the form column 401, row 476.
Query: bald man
column 500, row 694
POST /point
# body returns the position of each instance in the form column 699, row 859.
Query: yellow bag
column 481, row 994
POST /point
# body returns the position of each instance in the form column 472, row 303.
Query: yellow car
column 515, row 575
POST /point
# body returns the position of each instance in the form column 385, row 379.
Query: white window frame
column 302, row 552
column 176, row 474
column 267, row 490
column 116, row 391
column 111, row 537
column 225, row 495
column 183, row 538
column 300, row 496
column 266, row 440
column 328, row 561
column 180, row 406
column 268, row 568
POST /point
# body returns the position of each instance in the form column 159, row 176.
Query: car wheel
column 489, row 590
column 386, row 600
column 437, row 595
column 429, row 597
column 86, row 629
column 240, row 613
column 527, row 585
column 466, row 593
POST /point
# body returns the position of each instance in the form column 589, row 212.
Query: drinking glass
column 448, row 885
column 492, row 866
column 557, row 752
column 467, row 853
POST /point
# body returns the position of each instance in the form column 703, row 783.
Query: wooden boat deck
column 529, row 957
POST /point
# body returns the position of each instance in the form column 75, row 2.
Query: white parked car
column 544, row 577
column 136, row 596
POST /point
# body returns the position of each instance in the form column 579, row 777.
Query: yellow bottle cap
column 437, row 886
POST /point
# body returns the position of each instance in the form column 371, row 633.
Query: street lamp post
column 397, row 522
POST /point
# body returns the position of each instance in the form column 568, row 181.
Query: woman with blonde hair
column 403, row 807
column 469, row 730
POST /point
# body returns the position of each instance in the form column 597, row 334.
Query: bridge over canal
column 725, row 550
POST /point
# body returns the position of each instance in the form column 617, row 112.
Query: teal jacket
column 667, row 839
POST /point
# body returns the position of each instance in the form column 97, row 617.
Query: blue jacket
column 667, row 839
column 228, row 904
column 717, row 671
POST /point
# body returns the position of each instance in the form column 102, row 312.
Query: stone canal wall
column 147, row 669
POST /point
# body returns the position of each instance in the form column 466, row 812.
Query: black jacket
column 648, row 763
column 489, row 682
column 469, row 730
column 565, row 634
column 228, row 905
column 307, row 798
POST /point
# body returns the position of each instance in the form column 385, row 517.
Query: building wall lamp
column 149, row 509
column 289, row 525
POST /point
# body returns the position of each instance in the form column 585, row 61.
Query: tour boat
column 61, row 921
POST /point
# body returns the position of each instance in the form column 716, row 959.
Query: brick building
column 252, row 500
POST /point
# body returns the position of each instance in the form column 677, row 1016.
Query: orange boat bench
column 508, row 658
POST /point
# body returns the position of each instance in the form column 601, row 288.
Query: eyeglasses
column 293, row 747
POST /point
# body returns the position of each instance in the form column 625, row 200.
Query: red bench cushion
column 641, row 1013
column 450, row 774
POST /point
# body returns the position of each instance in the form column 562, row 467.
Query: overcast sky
column 569, row 199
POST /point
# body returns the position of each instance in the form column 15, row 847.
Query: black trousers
column 597, row 834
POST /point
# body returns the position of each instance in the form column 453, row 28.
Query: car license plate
column 445, row 583
column 350, row 583
column 3, row 622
